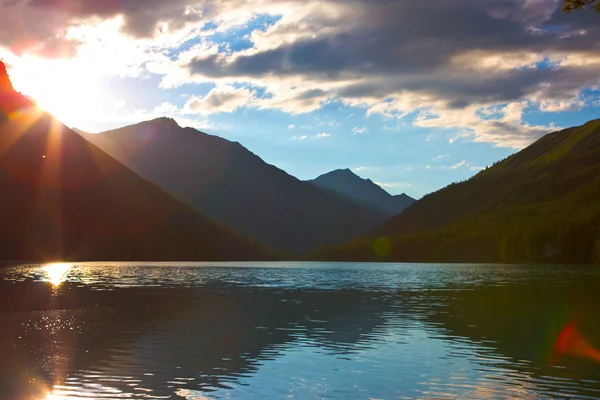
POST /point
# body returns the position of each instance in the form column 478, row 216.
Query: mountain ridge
column 541, row 204
column 65, row 199
column 236, row 187
column 365, row 191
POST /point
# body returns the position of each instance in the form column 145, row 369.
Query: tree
column 571, row 5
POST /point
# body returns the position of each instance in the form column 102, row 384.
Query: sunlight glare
column 57, row 272
column 68, row 90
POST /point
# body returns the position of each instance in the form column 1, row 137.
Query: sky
column 411, row 94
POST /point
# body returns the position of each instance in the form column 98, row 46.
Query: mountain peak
column 10, row 100
column 165, row 121
column 232, row 185
column 5, row 83
column 364, row 191
column 346, row 172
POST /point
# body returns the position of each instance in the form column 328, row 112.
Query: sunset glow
column 309, row 199
column 67, row 90
column 57, row 273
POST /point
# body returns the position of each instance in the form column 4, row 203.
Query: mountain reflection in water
column 305, row 330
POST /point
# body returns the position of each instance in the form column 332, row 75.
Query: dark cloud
column 394, row 46
column 311, row 94
column 141, row 16
column 39, row 26
column 389, row 37
column 456, row 53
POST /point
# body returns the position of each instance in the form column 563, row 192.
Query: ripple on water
column 301, row 330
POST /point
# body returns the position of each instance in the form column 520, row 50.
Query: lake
column 298, row 330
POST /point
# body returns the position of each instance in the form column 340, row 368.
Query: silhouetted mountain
column 234, row 186
column 541, row 204
column 364, row 191
column 63, row 198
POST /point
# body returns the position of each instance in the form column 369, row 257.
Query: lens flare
column 571, row 342
column 382, row 247
column 57, row 272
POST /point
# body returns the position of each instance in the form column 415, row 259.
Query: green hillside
column 540, row 205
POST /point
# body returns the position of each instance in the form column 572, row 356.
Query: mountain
column 65, row 199
column 235, row 187
column 542, row 204
column 364, row 191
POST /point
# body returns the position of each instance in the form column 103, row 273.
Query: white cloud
column 315, row 52
column 323, row 135
column 441, row 156
column 329, row 123
column 505, row 129
column 458, row 165
column 222, row 98
column 394, row 185
column 291, row 126
column 561, row 105
column 365, row 168
column 359, row 131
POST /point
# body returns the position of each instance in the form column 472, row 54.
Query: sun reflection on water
column 57, row 272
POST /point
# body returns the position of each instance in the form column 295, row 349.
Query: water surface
column 298, row 330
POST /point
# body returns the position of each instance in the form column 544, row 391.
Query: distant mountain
column 540, row 205
column 64, row 199
column 364, row 191
column 235, row 187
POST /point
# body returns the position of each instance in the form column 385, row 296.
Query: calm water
column 298, row 330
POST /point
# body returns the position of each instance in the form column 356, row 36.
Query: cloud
column 291, row 126
column 359, row 131
column 502, row 125
column 223, row 98
column 441, row 156
column 45, row 27
column 470, row 56
column 317, row 136
column 116, row 115
column 329, row 123
column 394, row 185
column 561, row 105
column 365, row 168
column 458, row 165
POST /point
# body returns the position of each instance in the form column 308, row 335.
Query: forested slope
column 540, row 205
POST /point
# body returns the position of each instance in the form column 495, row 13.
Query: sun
column 65, row 88
column 57, row 272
